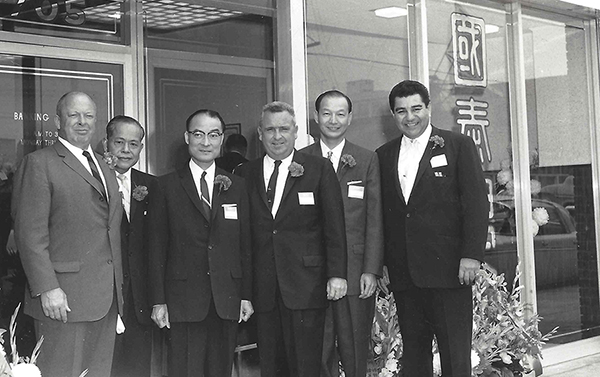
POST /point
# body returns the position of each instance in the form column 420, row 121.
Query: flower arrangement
column 348, row 160
column 386, row 340
column 296, row 170
column 19, row 366
column 222, row 182
column 139, row 192
column 110, row 159
column 438, row 141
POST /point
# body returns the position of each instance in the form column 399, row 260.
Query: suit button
column 210, row 247
column 206, row 225
column 408, row 215
column 275, row 231
column 208, row 273
column 101, row 198
column 109, row 261
column 108, row 229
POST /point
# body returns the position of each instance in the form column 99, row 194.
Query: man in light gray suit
column 67, row 212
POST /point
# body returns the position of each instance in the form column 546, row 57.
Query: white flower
column 506, row 359
column 437, row 364
column 505, row 164
column 475, row 360
column 378, row 349
column 385, row 373
column 540, row 216
column 26, row 370
column 536, row 187
column 504, row 176
column 391, row 365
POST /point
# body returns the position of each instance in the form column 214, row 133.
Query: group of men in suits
column 298, row 238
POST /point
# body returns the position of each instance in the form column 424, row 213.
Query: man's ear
column 57, row 121
column 186, row 137
column 259, row 131
column 105, row 144
column 316, row 116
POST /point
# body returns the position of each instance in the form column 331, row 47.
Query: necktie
column 329, row 155
column 273, row 184
column 205, row 196
column 94, row 170
column 125, row 194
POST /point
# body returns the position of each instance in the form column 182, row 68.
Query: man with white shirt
column 67, row 210
column 200, row 273
column 435, row 228
column 349, row 320
column 298, row 246
column 124, row 142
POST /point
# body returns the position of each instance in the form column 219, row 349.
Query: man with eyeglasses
column 200, row 256
column 298, row 246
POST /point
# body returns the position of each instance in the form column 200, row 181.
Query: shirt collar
column 286, row 161
column 421, row 140
column 337, row 150
column 75, row 150
column 197, row 171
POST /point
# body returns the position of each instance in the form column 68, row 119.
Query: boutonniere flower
column 110, row 159
column 348, row 160
column 296, row 170
column 438, row 141
column 223, row 182
column 139, row 192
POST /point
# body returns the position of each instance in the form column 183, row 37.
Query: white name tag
column 230, row 211
column 306, row 198
column 356, row 192
column 437, row 161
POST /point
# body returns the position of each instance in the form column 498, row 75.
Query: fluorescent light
column 390, row 12
column 491, row 28
column 584, row 3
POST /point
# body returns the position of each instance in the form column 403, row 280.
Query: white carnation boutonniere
column 110, row 159
column 348, row 160
column 296, row 170
column 438, row 141
column 139, row 192
column 222, row 182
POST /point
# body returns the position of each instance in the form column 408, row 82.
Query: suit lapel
column 71, row 161
column 395, row 156
column 217, row 199
column 260, row 181
column 289, row 181
column 136, row 180
column 187, row 181
column 343, row 168
column 112, row 187
column 426, row 158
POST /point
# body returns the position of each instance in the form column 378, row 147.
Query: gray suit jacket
column 67, row 234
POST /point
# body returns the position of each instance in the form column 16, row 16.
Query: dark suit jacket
column 305, row 244
column 445, row 219
column 192, row 261
column 134, row 237
column 67, row 234
column 230, row 161
column 363, row 217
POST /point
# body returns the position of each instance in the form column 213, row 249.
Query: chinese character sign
column 468, row 40
column 472, row 118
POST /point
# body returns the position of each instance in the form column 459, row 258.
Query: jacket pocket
column 66, row 266
column 313, row 260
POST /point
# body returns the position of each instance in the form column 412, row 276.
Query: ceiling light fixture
column 390, row 12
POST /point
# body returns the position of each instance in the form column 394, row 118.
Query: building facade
column 521, row 77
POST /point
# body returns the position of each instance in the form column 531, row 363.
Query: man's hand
column 384, row 281
column 368, row 284
column 11, row 245
column 160, row 315
column 55, row 305
column 467, row 270
column 246, row 311
column 336, row 288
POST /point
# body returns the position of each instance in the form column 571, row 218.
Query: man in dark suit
column 235, row 152
column 200, row 272
column 123, row 143
column 298, row 246
column 67, row 213
column 435, row 221
column 349, row 320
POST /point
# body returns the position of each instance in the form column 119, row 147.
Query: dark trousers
column 133, row 348
column 72, row 347
column 445, row 313
column 290, row 342
column 205, row 348
column 349, row 321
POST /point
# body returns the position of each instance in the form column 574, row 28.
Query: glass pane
column 31, row 87
column 558, row 121
column 195, row 27
column 362, row 55
column 98, row 20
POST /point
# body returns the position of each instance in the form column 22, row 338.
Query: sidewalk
column 576, row 359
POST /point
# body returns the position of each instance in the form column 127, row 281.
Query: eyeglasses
column 212, row 136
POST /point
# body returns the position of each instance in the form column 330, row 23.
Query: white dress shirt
column 268, row 166
column 336, row 153
column 78, row 153
column 124, row 181
column 210, row 178
column 411, row 152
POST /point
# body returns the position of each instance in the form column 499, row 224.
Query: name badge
column 356, row 192
column 438, row 161
column 230, row 211
column 306, row 198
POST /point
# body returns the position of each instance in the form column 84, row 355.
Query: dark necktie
column 272, row 185
column 204, row 193
column 94, row 170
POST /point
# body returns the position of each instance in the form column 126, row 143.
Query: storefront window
column 351, row 49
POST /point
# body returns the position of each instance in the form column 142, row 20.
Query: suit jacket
column 305, row 244
column 134, row 241
column 230, row 161
column 67, row 234
column 445, row 219
column 193, row 261
column 363, row 216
